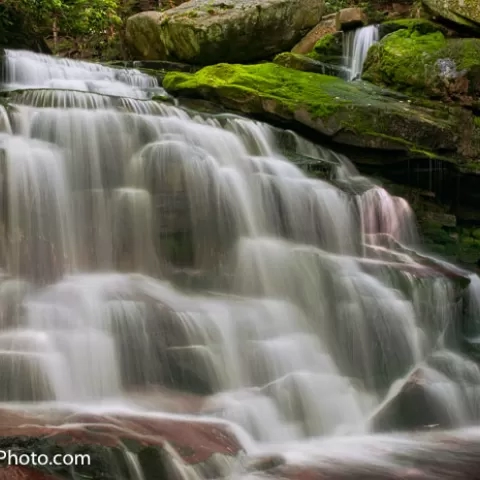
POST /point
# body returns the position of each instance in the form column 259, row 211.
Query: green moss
column 419, row 25
column 404, row 59
column 352, row 113
column 410, row 61
column 329, row 49
column 291, row 89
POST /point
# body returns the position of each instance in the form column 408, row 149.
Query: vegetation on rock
column 206, row 33
column 86, row 28
column 329, row 49
column 465, row 13
column 426, row 64
column 348, row 113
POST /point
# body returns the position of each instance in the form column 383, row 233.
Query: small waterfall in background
column 355, row 48
column 145, row 245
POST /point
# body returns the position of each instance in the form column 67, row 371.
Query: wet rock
column 194, row 369
column 26, row 376
column 416, row 405
column 307, row 64
column 163, row 445
column 205, row 32
column 24, row 473
column 350, row 18
column 325, row 27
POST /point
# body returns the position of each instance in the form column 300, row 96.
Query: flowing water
column 356, row 44
column 147, row 245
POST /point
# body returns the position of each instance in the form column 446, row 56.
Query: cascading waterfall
column 356, row 44
column 147, row 245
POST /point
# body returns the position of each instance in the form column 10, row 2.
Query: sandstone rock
column 465, row 13
column 350, row 18
column 205, row 32
column 162, row 443
column 326, row 26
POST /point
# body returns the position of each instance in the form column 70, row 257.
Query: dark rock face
column 205, row 32
column 465, row 13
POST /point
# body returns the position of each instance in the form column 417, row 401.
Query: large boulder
column 205, row 32
column 348, row 113
column 425, row 62
column 465, row 13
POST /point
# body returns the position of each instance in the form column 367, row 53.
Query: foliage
column 78, row 27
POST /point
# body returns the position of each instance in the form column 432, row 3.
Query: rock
column 419, row 25
column 350, row 18
column 348, row 114
column 326, row 26
column 142, row 35
column 415, row 406
column 205, row 32
column 24, row 473
column 329, row 49
column 426, row 64
column 421, row 456
column 308, row 64
column 465, row 13
column 163, row 444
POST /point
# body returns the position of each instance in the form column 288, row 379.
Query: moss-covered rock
column 143, row 36
column 426, row 64
column 465, row 13
column 329, row 49
column 208, row 31
column 347, row 113
column 420, row 25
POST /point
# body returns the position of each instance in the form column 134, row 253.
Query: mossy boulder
column 426, row 64
column 143, row 36
column 205, row 32
column 351, row 114
column 420, row 25
column 329, row 49
column 465, row 13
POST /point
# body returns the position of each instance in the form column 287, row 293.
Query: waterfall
column 147, row 245
column 355, row 49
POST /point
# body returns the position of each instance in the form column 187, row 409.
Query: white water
column 305, row 312
column 356, row 44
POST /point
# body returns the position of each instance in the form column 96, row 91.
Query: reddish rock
column 24, row 473
column 326, row 26
column 194, row 440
